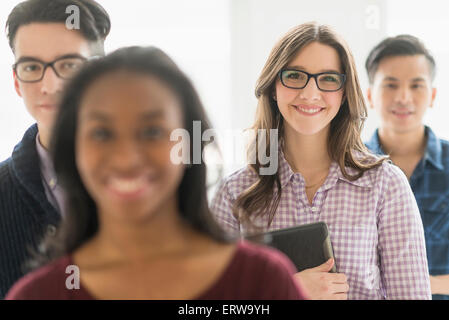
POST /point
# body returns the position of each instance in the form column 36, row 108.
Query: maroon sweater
column 254, row 273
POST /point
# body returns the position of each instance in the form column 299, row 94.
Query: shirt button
column 314, row 209
column 52, row 182
column 51, row 230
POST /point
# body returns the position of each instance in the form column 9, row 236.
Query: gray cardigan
column 25, row 213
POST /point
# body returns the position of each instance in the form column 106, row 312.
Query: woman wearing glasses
column 309, row 92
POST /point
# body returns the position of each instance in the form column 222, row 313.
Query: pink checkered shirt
column 374, row 223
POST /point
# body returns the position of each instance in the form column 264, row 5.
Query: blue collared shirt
column 430, row 184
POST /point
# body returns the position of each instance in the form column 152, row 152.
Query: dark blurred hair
column 401, row 45
column 81, row 221
column 94, row 20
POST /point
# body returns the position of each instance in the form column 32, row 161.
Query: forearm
column 440, row 284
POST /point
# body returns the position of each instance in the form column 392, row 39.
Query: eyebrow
column 417, row 79
column 31, row 58
column 390, row 79
column 301, row 68
column 151, row 115
column 97, row 116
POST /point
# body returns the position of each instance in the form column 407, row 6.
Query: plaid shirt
column 430, row 184
column 374, row 223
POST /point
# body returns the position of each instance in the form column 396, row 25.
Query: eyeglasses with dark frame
column 325, row 81
column 32, row 70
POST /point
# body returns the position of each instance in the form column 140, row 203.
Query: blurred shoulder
column 46, row 282
column 264, row 256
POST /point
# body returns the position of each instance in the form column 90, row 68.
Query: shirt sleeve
column 402, row 250
column 221, row 207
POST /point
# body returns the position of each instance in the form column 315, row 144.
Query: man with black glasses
column 401, row 70
column 48, row 51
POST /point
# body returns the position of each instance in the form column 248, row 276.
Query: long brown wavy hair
column 262, row 198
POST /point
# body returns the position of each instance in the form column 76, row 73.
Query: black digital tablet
column 307, row 245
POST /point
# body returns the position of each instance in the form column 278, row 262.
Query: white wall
column 13, row 117
column 223, row 44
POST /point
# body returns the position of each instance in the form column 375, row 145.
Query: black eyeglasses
column 33, row 70
column 325, row 81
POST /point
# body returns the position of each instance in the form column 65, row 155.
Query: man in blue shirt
column 400, row 71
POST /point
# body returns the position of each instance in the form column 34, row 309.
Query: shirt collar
column 433, row 152
column 374, row 144
column 433, row 149
column 47, row 170
column 365, row 181
column 285, row 171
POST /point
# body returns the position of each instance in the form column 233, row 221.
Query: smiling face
column 309, row 111
column 123, row 146
column 401, row 92
column 45, row 42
